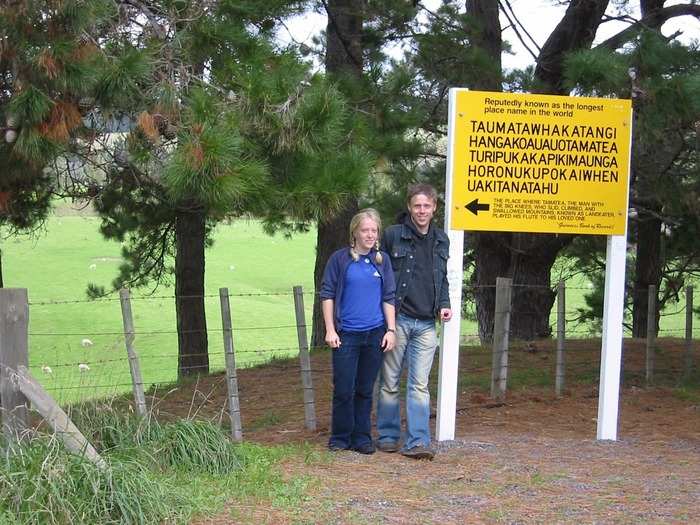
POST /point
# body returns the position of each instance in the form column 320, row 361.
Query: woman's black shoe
column 367, row 448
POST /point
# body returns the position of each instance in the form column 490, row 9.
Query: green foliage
column 688, row 393
column 112, row 427
column 42, row 483
column 30, row 195
column 386, row 21
column 269, row 419
column 597, row 72
column 30, row 106
column 35, row 147
column 662, row 78
column 122, row 82
column 315, row 122
column 48, row 63
column 195, row 446
column 315, row 188
column 210, row 167
column 244, row 135
column 155, row 473
column 259, row 479
column 449, row 38
column 135, row 212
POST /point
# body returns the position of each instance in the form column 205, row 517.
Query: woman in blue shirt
column 357, row 297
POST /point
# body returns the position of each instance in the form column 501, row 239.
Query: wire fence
column 78, row 346
column 78, row 351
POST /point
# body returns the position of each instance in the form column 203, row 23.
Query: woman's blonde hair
column 373, row 215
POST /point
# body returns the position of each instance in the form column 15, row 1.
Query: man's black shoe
column 336, row 448
column 367, row 448
column 419, row 452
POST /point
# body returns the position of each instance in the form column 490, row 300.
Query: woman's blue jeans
column 416, row 341
column 355, row 367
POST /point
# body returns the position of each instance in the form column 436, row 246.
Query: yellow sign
column 539, row 163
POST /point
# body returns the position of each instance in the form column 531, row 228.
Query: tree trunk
column 574, row 32
column 485, row 34
column 527, row 259
column 343, row 58
column 647, row 272
column 649, row 259
column 190, row 233
column 332, row 235
column 2, row 282
column 491, row 252
column 344, row 37
column 492, row 259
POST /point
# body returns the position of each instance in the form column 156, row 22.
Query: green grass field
column 56, row 267
column 258, row 270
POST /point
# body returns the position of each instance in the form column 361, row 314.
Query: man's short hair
column 421, row 189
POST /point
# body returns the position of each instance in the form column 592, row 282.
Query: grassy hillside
column 57, row 265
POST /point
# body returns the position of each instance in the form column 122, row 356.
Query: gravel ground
column 532, row 459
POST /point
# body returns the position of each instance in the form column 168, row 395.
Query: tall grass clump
column 42, row 483
column 113, row 427
column 190, row 445
column 195, row 446
column 147, row 461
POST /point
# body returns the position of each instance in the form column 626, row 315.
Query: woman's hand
column 332, row 339
column 389, row 341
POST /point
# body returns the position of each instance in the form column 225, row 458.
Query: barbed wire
column 47, row 302
column 138, row 332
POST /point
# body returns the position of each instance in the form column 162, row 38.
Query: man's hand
column 389, row 341
column 445, row 314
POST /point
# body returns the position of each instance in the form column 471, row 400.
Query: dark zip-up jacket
column 398, row 240
column 334, row 279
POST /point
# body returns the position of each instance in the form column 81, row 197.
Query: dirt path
column 511, row 479
column 533, row 459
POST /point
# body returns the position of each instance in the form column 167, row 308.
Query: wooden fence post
column 688, row 361
column 64, row 428
column 651, row 334
column 234, row 407
column 501, row 329
column 14, row 352
column 304, row 360
column 559, row 378
column 134, row 367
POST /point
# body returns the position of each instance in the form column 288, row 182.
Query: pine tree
column 221, row 124
column 662, row 79
column 356, row 37
column 461, row 49
column 48, row 66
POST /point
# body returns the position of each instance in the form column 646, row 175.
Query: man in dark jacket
column 419, row 252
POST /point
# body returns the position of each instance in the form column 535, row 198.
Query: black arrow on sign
column 475, row 207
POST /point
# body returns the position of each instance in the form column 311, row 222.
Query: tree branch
column 654, row 19
column 514, row 23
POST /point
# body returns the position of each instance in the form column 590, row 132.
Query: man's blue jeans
column 416, row 341
column 355, row 367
